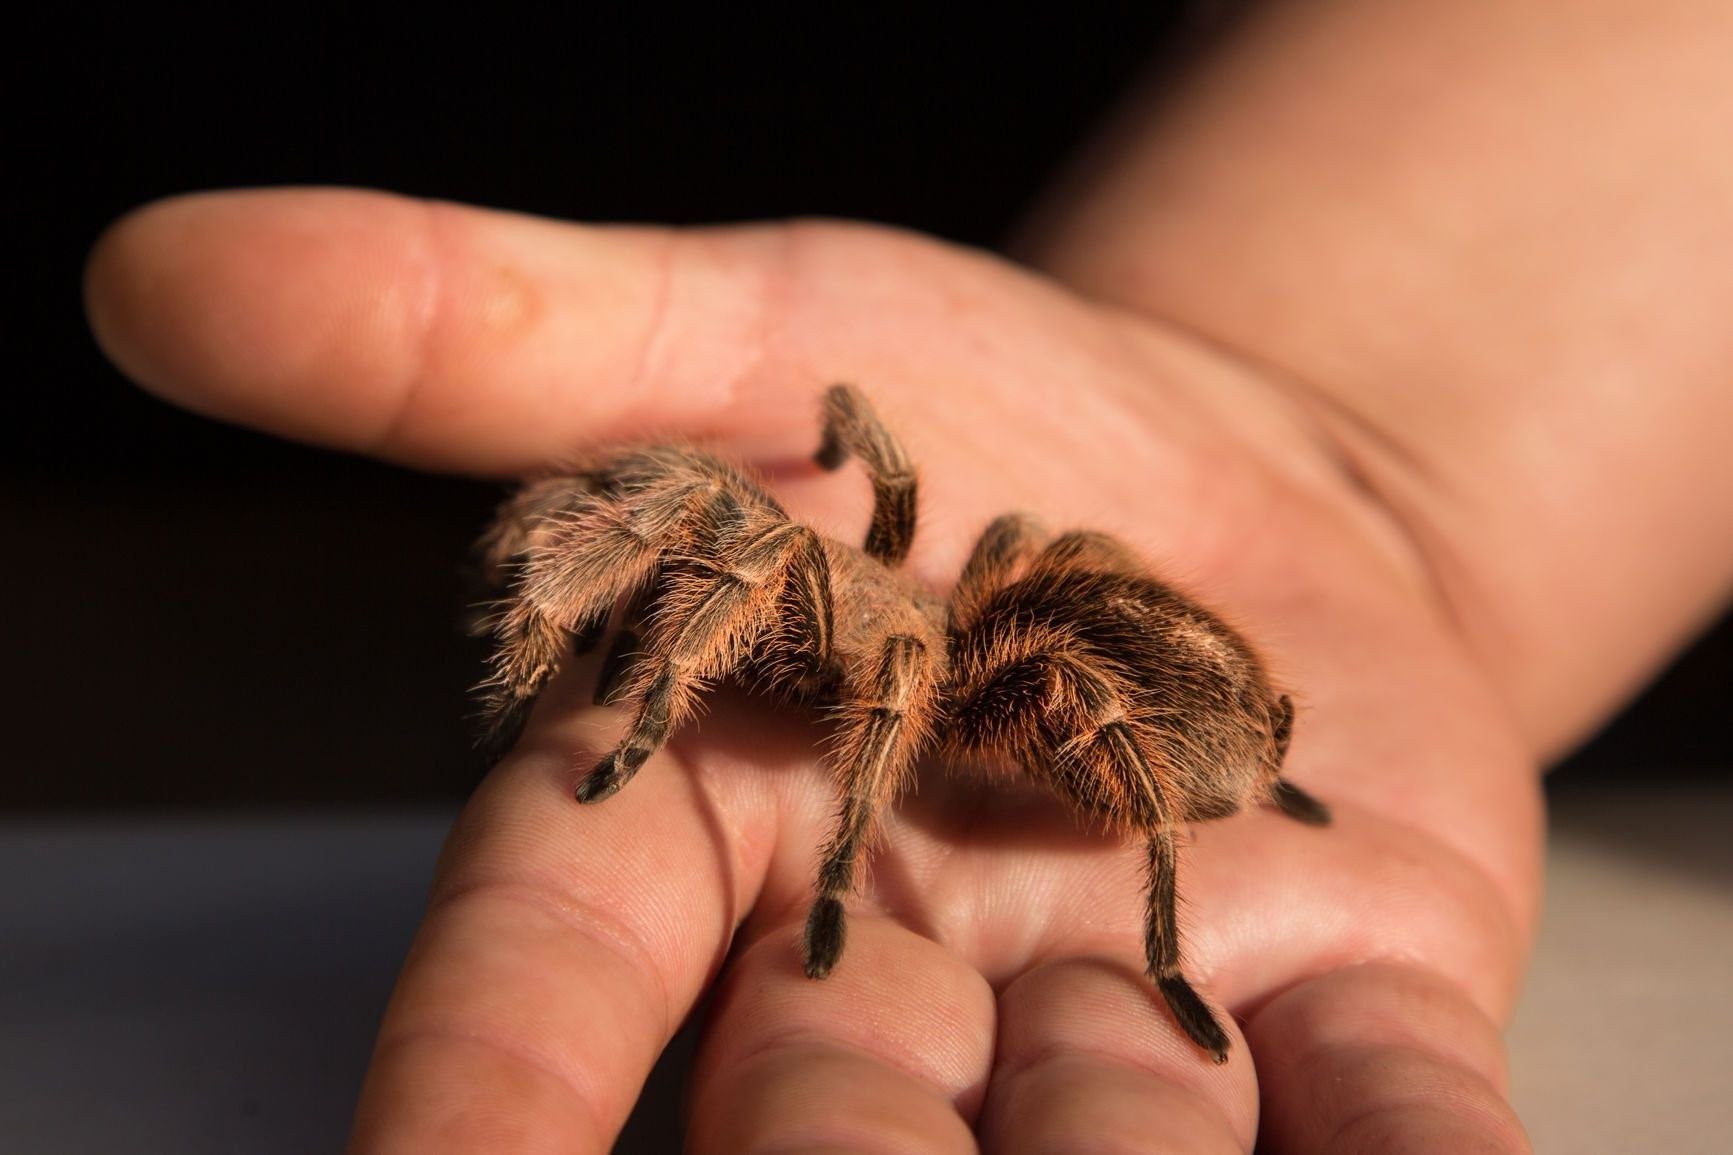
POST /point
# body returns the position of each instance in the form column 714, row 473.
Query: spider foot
column 507, row 716
column 605, row 780
column 825, row 932
column 1194, row 1016
column 1299, row 805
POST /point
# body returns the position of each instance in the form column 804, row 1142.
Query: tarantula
column 1135, row 704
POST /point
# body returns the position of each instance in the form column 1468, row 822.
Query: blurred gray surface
column 200, row 985
column 1623, row 1040
column 213, row 985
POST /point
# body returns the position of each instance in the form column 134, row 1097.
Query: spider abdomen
column 1139, row 705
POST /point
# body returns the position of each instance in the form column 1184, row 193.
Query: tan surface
column 1623, row 1042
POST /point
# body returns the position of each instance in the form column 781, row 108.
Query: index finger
column 429, row 333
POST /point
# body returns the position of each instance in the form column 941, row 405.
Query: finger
column 1090, row 1059
column 431, row 333
column 562, row 947
column 889, row 1053
column 1382, row 1058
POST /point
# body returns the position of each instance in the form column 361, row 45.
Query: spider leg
column 884, row 729
column 1003, row 548
column 587, row 541
column 851, row 427
column 1287, row 797
column 1147, row 801
column 799, row 658
column 707, row 617
column 1087, row 549
column 1299, row 805
column 1081, row 736
column 527, row 648
column 1015, row 544
column 1161, row 949
column 592, row 556
column 507, row 543
column 510, row 537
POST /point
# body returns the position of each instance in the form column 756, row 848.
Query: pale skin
column 1397, row 333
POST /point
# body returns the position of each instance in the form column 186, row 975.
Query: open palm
column 991, row 993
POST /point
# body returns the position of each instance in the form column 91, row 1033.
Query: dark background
column 202, row 616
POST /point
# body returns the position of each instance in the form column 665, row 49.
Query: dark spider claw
column 839, row 410
column 604, row 781
column 611, row 773
column 1299, row 805
column 831, row 452
column 1194, row 1016
column 825, row 932
column 505, row 726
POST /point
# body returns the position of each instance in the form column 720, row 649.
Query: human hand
column 992, row 986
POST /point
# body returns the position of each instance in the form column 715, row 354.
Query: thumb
column 438, row 335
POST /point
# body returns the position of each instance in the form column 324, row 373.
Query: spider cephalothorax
column 1135, row 704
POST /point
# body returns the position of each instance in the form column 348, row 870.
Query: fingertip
column 292, row 310
column 1384, row 1003
column 1382, row 1057
column 1089, row 1058
column 119, row 280
column 854, row 1063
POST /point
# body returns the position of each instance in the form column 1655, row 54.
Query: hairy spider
column 1134, row 703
